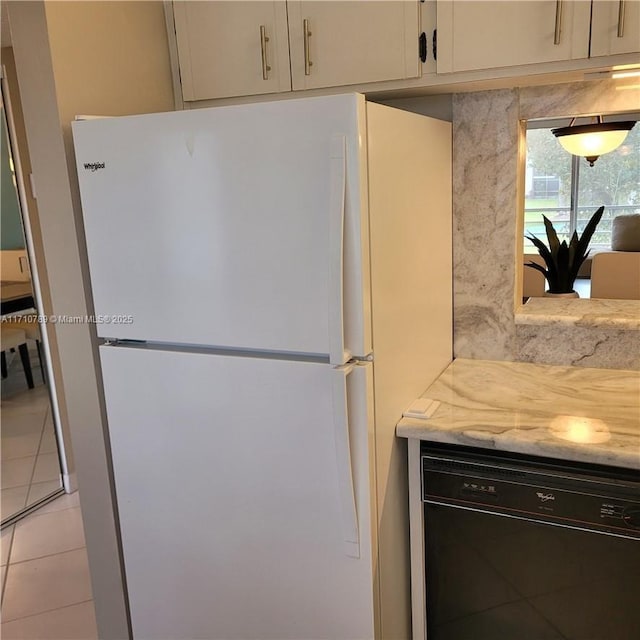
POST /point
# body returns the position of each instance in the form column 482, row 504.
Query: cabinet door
column 488, row 34
column 232, row 48
column 340, row 43
column 615, row 27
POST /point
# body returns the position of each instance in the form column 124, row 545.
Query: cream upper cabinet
column 615, row 27
column 341, row 43
column 479, row 34
column 232, row 48
column 240, row 48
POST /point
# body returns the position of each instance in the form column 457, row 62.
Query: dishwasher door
column 517, row 550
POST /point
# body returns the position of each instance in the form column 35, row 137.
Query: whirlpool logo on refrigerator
column 93, row 166
column 545, row 497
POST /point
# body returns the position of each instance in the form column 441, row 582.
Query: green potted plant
column 563, row 260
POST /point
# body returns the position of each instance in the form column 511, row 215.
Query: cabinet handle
column 621, row 13
column 558, row 29
column 263, row 49
column 307, row 52
column 422, row 47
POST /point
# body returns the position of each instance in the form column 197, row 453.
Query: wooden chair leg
column 3, row 365
column 26, row 364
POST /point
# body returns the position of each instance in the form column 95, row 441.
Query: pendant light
column 593, row 140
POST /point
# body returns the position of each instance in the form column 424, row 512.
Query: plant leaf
column 541, row 247
column 563, row 285
column 564, row 260
column 588, row 232
column 538, row 267
column 574, row 262
column 552, row 273
column 552, row 236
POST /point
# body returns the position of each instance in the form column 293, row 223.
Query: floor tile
column 13, row 500
column 45, row 534
column 606, row 609
column 76, row 622
column 40, row 490
column 511, row 556
column 26, row 405
column 3, row 570
column 47, row 467
column 49, row 443
column 46, row 584
column 19, row 446
column 18, row 472
column 26, row 431
column 5, row 543
column 65, row 501
column 16, row 383
column 513, row 621
column 465, row 597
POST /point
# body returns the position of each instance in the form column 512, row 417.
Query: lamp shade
column 593, row 140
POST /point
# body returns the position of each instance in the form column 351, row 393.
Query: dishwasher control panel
column 520, row 489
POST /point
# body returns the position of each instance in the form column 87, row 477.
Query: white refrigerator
column 272, row 284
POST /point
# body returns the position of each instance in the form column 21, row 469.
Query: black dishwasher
column 524, row 548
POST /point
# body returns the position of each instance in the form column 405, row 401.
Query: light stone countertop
column 568, row 413
column 581, row 312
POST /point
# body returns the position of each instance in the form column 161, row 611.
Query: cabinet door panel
column 353, row 42
column 606, row 17
column 489, row 34
column 221, row 49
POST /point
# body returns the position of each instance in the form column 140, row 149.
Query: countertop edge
column 564, row 413
column 580, row 312
column 569, row 451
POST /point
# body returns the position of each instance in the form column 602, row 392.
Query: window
column 568, row 191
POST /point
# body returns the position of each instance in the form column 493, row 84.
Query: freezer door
column 228, row 226
column 243, row 496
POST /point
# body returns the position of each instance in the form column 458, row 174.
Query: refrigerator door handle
column 350, row 529
column 338, row 185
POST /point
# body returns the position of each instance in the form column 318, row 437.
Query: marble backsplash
column 485, row 174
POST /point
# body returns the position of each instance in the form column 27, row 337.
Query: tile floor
column 30, row 466
column 46, row 591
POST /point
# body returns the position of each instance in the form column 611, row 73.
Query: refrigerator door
column 237, row 227
column 243, row 495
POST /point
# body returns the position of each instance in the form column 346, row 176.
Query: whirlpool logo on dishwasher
column 545, row 497
column 94, row 166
